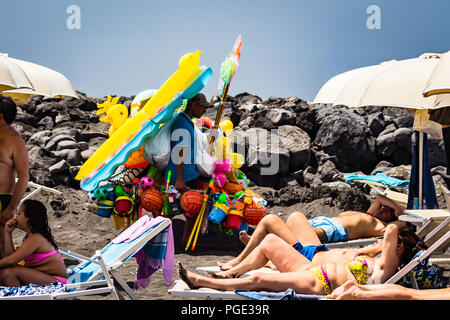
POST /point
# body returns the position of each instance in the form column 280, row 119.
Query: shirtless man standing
column 13, row 159
column 307, row 236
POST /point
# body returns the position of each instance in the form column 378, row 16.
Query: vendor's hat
column 200, row 98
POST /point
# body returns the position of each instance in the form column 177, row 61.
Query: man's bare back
column 361, row 224
column 358, row 225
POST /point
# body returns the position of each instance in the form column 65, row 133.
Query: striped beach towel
column 158, row 253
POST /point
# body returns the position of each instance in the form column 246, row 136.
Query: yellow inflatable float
column 188, row 67
column 116, row 116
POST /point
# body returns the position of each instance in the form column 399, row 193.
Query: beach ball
column 91, row 196
column 152, row 200
column 101, row 193
column 146, row 183
column 254, row 212
column 190, row 203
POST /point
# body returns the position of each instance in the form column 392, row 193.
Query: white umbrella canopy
column 11, row 75
column 442, row 100
column 392, row 83
column 439, row 81
column 46, row 82
column 389, row 84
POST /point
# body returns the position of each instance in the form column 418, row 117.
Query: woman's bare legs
column 301, row 281
column 269, row 224
column 297, row 228
column 300, row 227
column 272, row 248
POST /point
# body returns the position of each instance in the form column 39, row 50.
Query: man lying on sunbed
column 348, row 225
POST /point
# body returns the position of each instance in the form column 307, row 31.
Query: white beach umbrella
column 392, row 83
column 11, row 75
column 389, row 84
column 46, row 82
column 439, row 80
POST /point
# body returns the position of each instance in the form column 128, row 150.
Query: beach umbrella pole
column 420, row 170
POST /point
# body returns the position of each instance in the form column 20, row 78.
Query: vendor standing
column 184, row 171
column 182, row 164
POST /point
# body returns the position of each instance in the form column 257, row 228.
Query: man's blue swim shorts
column 333, row 229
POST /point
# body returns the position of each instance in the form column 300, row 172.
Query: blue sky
column 290, row 47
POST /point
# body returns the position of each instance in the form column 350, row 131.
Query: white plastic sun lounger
column 114, row 256
column 38, row 188
column 441, row 241
column 181, row 289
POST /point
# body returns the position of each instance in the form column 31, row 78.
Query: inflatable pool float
column 188, row 67
column 150, row 128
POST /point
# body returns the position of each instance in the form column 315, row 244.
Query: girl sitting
column 43, row 263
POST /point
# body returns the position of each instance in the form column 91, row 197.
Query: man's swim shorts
column 309, row 251
column 5, row 199
column 333, row 229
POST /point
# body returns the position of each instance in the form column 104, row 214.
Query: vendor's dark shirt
column 183, row 136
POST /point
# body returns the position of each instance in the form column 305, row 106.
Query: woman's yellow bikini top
column 358, row 267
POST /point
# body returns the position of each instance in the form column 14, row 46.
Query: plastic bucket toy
column 235, row 216
column 105, row 208
column 218, row 213
column 243, row 227
column 123, row 206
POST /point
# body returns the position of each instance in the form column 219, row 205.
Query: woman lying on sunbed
column 43, row 263
column 301, row 275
